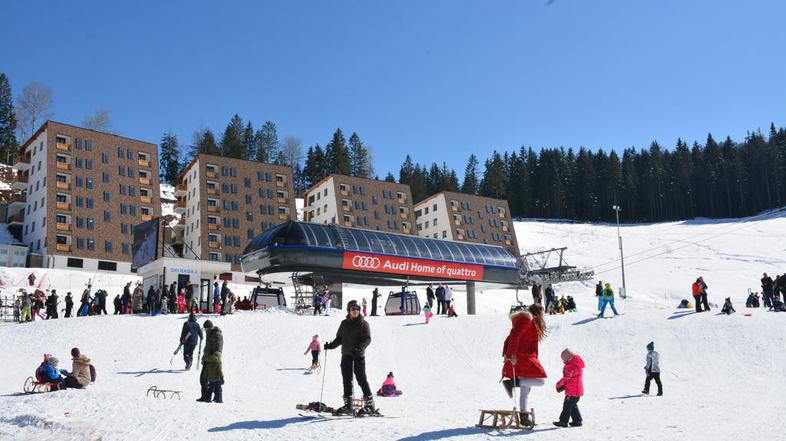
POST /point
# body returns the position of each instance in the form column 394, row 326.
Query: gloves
column 64, row 372
column 327, row 345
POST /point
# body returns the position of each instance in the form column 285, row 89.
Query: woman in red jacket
column 521, row 356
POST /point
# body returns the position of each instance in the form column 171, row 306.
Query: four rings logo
column 366, row 262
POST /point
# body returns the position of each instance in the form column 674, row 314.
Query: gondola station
column 330, row 254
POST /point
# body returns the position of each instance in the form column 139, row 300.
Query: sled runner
column 503, row 419
column 33, row 387
column 163, row 393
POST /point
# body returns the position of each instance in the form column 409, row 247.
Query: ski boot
column 368, row 406
column 524, row 419
column 346, row 409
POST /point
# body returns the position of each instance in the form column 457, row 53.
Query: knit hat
column 390, row 374
column 46, row 357
column 566, row 355
column 52, row 360
column 352, row 304
column 651, row 346
column 208, row 324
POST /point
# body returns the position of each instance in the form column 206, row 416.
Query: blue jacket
column 51, row 374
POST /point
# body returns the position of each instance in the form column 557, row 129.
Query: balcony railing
column 280, row 184
column 344, row 192
column 454, row 207
column 212, row 191
column 214, row 245
column 20, row 177
column 62, row 146
column 63, row 186
column 146, row 217
column 213, row 209
column 402, row 200
column 347, row 223
column 456, row 222
column 406, row 230
column 63, row 206
column 346, row 207
column 212, row 227
column 505, row 228
column 146, row 199
column 18, row 197
column 144, row 162
column 404, row 215
column 211, row 174
column 282, row 200
column 63, row 227
column 144, row 181
column 180, row 203
column 17, row 218
column 63, row 166
column 283, row 216
column 181, row 187
column 63, row 248
column 460, row 236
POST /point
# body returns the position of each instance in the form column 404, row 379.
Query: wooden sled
column 503, row 419
column 163, row 393
column 33, row 387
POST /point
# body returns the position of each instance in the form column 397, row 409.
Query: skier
column 777, row 305
column 31, row 279
column 51, row 305
column 216, row 296
column 317, row 302
column 315, row 348
column 652, row 368
column 27, row 305
column 573, row 385
column 520, row 351
column 101, row 300
column 608, row 299
column 374, row 297
column 766, row 290
column 224, row 293
column 84, row 307
column 354, row 336
column 327, row 300
column 599, row 293
column 190, row 335
column 69, row 304
column 448, row 298
column 550, row 296
column 212, row 377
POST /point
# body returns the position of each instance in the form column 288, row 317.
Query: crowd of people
column 773, row 294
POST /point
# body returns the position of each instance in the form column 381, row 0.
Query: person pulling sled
column 354, row 336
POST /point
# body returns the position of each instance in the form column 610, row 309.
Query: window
column 233, row 172
column 213, row 256
column 89, row 183
column 250, row 233
column 105, row 158
column 248, row 199
column 106, row 196
column 78, row 162
column 131, row 190
column 247, row 182
column 131, row 172
column 89, row 164
column 122, row 189
column 89, row 203
column 108, row 246
column 88, row 145
column 107, row 216
column 132, row 210
column 107, row 266
column 249, row 216
column 80, row 201
column 61, row 219
column 123, row 209
column 79, row 181
column 126, row 248
column 235, row 223
column 121, row 170
column 123, row 228
column 91, row 244
column 129, row 154
column 80, row 222
column 105, row 177
column 73, row 262
column 91, row 225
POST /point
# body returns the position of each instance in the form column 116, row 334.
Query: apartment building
column 465, row 217
column 360, row 202
column 227, row 202
column 82, row 191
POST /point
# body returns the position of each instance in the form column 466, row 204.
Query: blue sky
column 436, row 79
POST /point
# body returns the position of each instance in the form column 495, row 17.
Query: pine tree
column 390, row 177
column 232, row 140
column 407, row 171
column 494, row 183
column 470, row 184
column 203, row 141
column 337, row 158
column 9, row 146
column 266, row 142
column 314, row 169
column 360, row 158
column 249, row 151
column 169, row 165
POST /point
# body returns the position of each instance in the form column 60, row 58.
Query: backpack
column 92, row 374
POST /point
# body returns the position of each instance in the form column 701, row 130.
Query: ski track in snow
column 719, row 373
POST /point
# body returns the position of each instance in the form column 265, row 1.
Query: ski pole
column 199, row 355
column 515, row 383
column 322, row 388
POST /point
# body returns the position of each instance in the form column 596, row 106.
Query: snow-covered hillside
column 722, row 375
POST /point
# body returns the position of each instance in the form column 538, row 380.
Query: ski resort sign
column 411, row 267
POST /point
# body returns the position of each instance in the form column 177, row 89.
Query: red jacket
column 523, row 343
column 572, row 381
column 696, row 289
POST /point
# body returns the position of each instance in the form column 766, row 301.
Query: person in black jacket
column 766, row 290
column 354, row 336
column 374, row 296
column 126, row 298
column 69, row 304
column 118, row 304
column 430, row 296
column 189, row 337
column 441, row 306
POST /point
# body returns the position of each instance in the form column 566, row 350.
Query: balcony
column 282, row 184
column 213, row 209
column 144, row 162
column 404, row 215
column 21, row 181
column 460, row 237
column 146, row 199
column 146, row 217
column 64, row 206
column 505, row 228
column 501, row 214
column 17, row 219
column 457, row 222
column 212, row 227
column 181, row 189
column 180, row 206
column 18, row 198
column 63, row 166
column 212, row 191
column 407, row 230
column 63, row 186
column 348, row 223
column 22, row 162
column 454, row 207
column 283, row 216
column 178, row 238
column 214, row 245
column 282, row 200
column 346, row 207
column 211, row 174
column 402, row 200
column 344, row 192
column 63, row 248
column 62, row 146
column 144, row 181
column 63, row 227
column 181, row 223
column 508, row 242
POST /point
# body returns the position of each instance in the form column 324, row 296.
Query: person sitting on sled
column 49, row 373
column 727, row 308
column 315, row 347
column 452, row 310
column 777, row 304
column 388, row 388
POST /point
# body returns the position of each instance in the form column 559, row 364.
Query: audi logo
column 366, row 262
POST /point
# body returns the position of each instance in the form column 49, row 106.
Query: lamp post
column 617, row 210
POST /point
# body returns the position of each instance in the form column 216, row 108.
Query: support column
column 470, row 298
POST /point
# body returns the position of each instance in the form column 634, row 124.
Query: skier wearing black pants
column 652, row 368
column 354, row 336
column 189, row 337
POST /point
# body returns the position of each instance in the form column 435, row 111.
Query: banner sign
column 412, row 267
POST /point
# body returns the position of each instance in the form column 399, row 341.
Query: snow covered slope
column 722, row 375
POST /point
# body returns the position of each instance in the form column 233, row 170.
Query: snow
column 6, row 237
column 721, row 375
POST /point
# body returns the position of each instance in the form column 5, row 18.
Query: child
column 364, row 306
column 652, row 368
column 571, row 306
column 573, row 385
column 777, row 305
column 427, row 312
column 315, row 347
column 452, row 310
column 388, row 388
column 727, row 308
